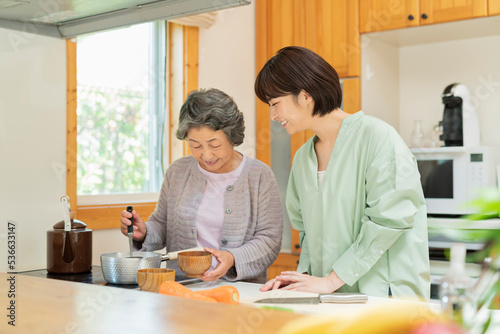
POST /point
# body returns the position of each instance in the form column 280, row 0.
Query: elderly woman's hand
column 139, row 226
column 226, row 261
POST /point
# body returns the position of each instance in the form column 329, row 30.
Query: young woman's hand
column 274, row 284
column 292, row 280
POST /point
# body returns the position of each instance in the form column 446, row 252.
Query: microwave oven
column 452, row 176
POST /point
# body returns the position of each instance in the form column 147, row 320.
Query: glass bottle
column 454, row 286
column 417, row 135
column 483, row 290
column 436, row 133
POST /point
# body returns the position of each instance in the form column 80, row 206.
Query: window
column 101, row 211
column 120, row 114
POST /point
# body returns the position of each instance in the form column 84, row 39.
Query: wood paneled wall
column 328, row 27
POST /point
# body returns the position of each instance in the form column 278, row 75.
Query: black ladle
column 130, row 231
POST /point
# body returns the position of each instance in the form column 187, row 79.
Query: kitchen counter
column 56, row 306
column 250, row 292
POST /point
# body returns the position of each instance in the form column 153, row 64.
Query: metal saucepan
column 121, row 268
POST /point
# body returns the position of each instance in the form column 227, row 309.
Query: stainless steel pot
column 120, row 268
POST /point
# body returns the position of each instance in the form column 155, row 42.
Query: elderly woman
column 216, row 198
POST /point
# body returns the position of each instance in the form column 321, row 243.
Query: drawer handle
column 410, row 17
column 297, row 246
column 424, row 16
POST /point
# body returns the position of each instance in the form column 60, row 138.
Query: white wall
column 33, row 126
column 380, row 80
column 414, row 76
column 425, row 71
column 33, row 147
column 227, row 62
column 32, row 142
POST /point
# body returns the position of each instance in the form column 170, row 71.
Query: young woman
column 354, row 192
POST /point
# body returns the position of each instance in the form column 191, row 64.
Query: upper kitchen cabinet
column 438, row 11
column 378, row 15
column 328, row 27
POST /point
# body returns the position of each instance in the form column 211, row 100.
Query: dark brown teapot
column 69, row 252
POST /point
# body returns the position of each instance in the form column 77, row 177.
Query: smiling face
column 213, row 150
column 293, row 112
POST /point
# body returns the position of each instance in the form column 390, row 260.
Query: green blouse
column 367, row 220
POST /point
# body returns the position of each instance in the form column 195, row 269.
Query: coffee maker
column 460, row 124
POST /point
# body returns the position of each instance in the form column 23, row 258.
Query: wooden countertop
column 55, row 306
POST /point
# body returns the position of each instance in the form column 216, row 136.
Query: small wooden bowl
column 194, row 264
column 150, row 279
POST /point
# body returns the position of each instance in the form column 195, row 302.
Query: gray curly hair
column 215, row 109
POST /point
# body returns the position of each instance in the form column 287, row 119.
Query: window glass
column 118, row 109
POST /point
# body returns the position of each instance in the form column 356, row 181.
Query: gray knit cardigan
column 253, row 217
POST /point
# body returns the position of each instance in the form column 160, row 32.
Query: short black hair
column 294, row 69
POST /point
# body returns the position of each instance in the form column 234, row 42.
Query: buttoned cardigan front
column 253, row 217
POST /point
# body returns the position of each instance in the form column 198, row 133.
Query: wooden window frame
column 107, row 216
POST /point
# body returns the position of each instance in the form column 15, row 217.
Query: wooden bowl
column 194, row 264
column 150, row 279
